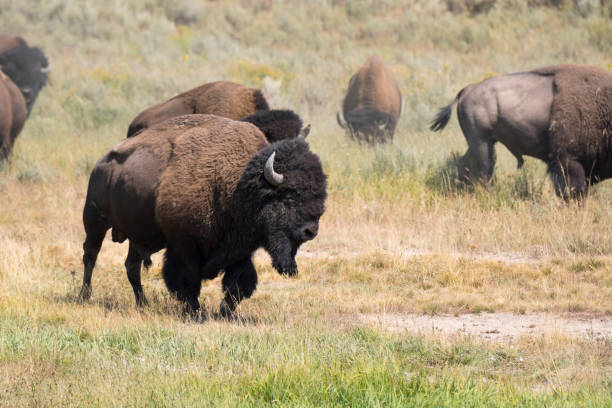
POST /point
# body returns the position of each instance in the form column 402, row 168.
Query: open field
column 415, row 293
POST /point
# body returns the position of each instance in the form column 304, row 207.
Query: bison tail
column 340, row 121
column 442, row 118
column 444, row 115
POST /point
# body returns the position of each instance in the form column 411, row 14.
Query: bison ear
column 271, row 176
column 304, row 132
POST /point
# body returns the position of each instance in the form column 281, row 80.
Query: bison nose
column 308, row 232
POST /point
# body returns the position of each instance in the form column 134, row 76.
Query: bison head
column 28, row 68
column 282, row 192
column 276, row 124
column 368, row 125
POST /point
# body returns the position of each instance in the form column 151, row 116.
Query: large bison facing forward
column 560, row 114
column 23, row 73
column 211, row 190
column 227, row 99
column 372, row 104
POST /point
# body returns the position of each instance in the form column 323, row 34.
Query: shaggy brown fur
column 373, row 101
column 12, row 114
column 184, row 208
column 7, row 42
column 227, row 99
column 581, row 115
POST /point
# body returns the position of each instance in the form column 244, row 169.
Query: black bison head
column 28, row 68
column 276, row 124
column 282, row 192
column 368, row 125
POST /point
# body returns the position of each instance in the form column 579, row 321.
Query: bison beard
column 277, row 218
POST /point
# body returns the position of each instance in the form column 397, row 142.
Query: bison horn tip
column 341, row 123
column 304, row 132
column 270, row 175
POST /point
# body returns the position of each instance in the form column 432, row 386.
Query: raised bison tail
column 444, row 115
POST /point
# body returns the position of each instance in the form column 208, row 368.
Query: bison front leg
column 239, row 283
column 181, row 274
column 569, row 179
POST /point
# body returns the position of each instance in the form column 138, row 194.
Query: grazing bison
column 12, row 114
column 28, row 68
column 373, row 103
column 560, row 114
column 227, row 99
column 23, row 73
column 211, row 190
column 8, row 42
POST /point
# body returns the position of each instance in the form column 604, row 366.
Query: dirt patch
column 501, row 327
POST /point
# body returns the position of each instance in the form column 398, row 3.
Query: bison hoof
column 85, row 293
column 226, row 310
column 142, row 301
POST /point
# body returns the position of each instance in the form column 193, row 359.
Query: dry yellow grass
column 398, row 238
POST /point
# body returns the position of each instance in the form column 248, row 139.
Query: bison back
column 373, row 87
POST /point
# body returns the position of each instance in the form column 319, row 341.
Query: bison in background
column 8, row 41
column 13, row 114
column 560, row 114
column 372, row 104
column 211, row 190
column 23, row 73
column 227, row 99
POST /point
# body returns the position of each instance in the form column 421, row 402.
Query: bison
column 12, row 114
column 28, row 68
column 227, row 99
column 7, row 42
column 211, row 190
column 373, row 103
column 23, row 73
column 559, row 114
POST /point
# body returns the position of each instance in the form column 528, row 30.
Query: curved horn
column 45, row 70
column 271, row 176
column 340, row 121
column 304, row 132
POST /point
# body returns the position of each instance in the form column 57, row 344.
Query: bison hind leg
column 95, row 229
column 133, row 265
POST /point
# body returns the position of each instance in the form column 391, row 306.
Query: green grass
column 511, row 247
column 220, row 364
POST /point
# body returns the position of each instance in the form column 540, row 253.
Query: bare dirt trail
column 499, row 327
